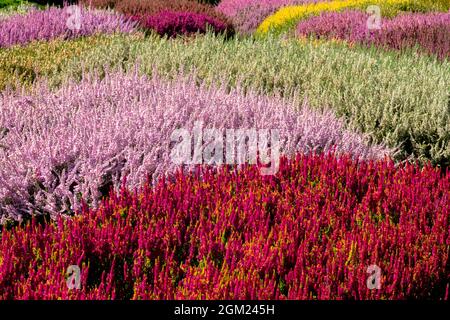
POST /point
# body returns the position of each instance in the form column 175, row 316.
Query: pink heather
column 430, row 31
column 57, row 148
column 55, row 23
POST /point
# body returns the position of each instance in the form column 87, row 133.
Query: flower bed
column 310, row 232
column 62, row 23
column 289, row 16
column 431, row 32
column 57, row 150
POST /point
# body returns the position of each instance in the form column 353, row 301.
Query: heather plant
column 310, row 232
column 247, row 15
column 21, row 66
column 397, row 99
column 10, row 3
column 54, row 23
column 289, row 16
column 150, row 7
column 171, row 24
column 184, row 14
column 57, row 150
column 431, row 32
column 15, row 7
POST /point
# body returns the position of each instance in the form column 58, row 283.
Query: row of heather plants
column 309, row 232
column 375, row 92
column 56, row 151
column 431, row 32
column 287, row 17
column 187, row 17
column 247, row 15
column 181, row 17
column 90, row 117
column 170, row 18
column 54, row 22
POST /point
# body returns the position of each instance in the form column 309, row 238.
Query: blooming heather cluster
column 59, row 148
column 170, row 17
column 247, row 15
column 175, row 15
column 55, row 23
column 151, row 7
column 180, row 23
column 290, row 16
column 431, row 32
column 310, row 232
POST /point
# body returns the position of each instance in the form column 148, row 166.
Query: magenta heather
column 58, row 148
column 430, row 31
column 60, row 23
column 171, row 23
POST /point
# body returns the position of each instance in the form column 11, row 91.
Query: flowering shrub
column 180, row 23
column 310, row 232
column 381, row 95
column 151, row 7
column 430, row 31
column 15, row 8
column 289, row 16
column 247, row 15
column 21, row 66
column 56, row 149
column 52, row 23
column 164, row 16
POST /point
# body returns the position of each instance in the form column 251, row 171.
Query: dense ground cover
column 431, row 32
column 95, row 124
column 172, row 23
column 287, row 17
column 376, row 92
column 21, row 66
column 56, row 150
column 175, row 17
column 310, row 232
column 247, row 15
column 54, row 23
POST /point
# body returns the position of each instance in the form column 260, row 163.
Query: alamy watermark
column 73, row 274
column 73, row 22
column 374, row 280
column 374, row 20
column 227, row 146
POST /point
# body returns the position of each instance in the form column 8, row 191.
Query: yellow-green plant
column 22, row 65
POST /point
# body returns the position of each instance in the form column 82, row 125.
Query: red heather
column 310, row 232
column 171, row 23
